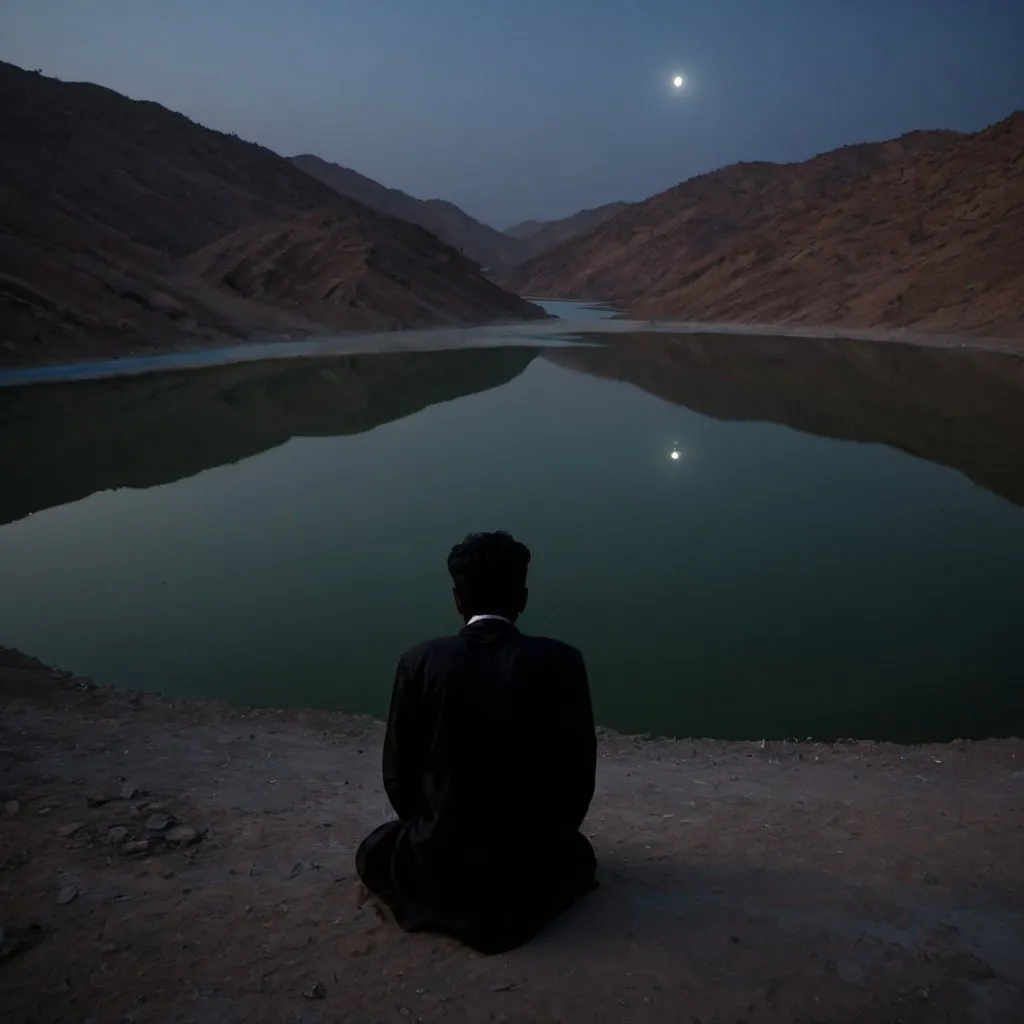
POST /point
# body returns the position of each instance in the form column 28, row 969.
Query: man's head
column 489, row 573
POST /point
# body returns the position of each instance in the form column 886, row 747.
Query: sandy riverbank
column 794, row 882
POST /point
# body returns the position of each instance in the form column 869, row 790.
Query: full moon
column 678, row 81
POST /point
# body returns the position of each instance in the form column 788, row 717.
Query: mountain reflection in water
column 771, row 581
column 63, row 442
column 954, row 407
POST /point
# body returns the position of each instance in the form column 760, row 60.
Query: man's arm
column 403, row 748
column 580, row 741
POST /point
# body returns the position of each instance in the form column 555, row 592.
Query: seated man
column 489, row 764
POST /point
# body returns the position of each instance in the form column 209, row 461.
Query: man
column 489, row 764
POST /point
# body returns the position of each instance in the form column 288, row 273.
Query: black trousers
column 491, row 914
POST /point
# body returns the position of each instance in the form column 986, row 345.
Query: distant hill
column 492, row 249
column 539, row 235
column 102, row 196
column 346, row 269
column 924, row 231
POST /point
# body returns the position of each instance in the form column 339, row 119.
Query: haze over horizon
column 532, row 110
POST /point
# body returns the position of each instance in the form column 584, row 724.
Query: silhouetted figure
column 489, row 764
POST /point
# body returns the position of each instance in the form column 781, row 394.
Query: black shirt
column 490, row 752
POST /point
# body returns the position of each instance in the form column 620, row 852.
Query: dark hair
column 489, row 573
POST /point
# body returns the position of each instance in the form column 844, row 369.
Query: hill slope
column 925, row 231
column 540, row 235
column 489, row 247
column 102, row 196
column 346, row 269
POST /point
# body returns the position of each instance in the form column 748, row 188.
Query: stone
column 138, row 846
column 182, row 834
column 69, row 830
column 67, row 894
column 158, row 822
column 118, row 834
column 316, row 991
column 16, row 940
column 851, row 973
column 128, row 790
column 12, row 806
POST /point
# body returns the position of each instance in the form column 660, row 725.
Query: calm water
column 838, row 551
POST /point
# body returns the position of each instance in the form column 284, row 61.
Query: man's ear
column 526, row 598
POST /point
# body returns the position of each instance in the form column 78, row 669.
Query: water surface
column 837, row 552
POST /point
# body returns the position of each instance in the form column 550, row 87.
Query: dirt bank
column 789, row 882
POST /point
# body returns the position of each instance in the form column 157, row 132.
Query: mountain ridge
column 921, row 231
column 540, row 235
column 492, row 249
column 103, row 197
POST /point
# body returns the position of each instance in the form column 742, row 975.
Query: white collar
column 484, row 618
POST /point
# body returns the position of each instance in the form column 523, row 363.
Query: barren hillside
column 492, row 249
column 541, row 235
column 102, row 196
column 925, row 231
column 350, row 270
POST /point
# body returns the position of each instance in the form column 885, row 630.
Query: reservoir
column 748, row 537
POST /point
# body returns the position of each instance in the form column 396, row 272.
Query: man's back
column 489, row 762
column 490, row 749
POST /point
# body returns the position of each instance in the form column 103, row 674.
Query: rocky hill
column 924, row 231
column 492, row 249
column 353, row 269
column 540, row 235
column 102, row 196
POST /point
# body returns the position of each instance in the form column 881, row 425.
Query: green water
column 838, row 551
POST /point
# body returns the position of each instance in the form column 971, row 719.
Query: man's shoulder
column 421, row 651
column 537, row 646
column 548, row 646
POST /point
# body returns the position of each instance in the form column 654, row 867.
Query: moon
column 679, row 81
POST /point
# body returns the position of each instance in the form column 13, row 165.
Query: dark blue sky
column 536, row 108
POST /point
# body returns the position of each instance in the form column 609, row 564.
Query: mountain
column 63, row 442
column 961, row 408
column 540, row 235
column 101, row 198
column 492, row 249
column 344, row 269
column 924, row 231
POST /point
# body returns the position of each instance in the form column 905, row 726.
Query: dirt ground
column 740, row 882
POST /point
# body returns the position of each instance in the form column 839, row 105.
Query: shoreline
column 554, row 331
column 769, row 882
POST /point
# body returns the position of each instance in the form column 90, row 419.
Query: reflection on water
column 957, row 407
column 276, row 532
column 66, row 441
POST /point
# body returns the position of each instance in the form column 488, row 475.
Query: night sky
column 521, row 109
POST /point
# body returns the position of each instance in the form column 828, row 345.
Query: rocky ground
column 193, row 862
